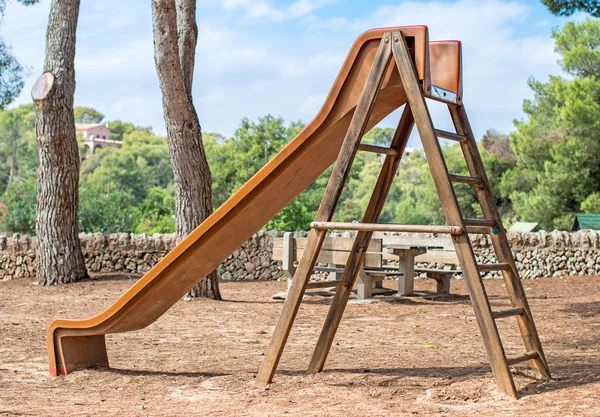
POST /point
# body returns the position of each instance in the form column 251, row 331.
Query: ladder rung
column 325, row 284
column 478, row 230
column 479, row 222
column 464, row 180
column 377, row 149
column 526, row 357
column 378, row 227
column 508, row 312
column 492, row 267
column 449, row 135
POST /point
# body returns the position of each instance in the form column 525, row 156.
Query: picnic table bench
column 376, row 264
column 334, row 252
column 409, row 250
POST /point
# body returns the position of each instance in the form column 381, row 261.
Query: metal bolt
column 386, row 40
column 395, row 39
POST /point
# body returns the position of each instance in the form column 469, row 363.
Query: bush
column 19, row 205
column 157, row 213
column 103, row 212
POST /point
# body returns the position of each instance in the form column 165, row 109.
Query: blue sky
column 256, row 57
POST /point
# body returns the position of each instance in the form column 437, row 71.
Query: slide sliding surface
column 80, row 343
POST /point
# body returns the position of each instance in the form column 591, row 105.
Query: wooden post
column 499, row 240
column 462, row 243
column 355, row 259
column 325, row 213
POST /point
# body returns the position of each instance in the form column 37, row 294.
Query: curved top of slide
column 293, row 169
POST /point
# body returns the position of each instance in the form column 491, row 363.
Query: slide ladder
column 394, row 48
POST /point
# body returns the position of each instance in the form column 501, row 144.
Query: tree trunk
column 175, row 35
column 58, row 255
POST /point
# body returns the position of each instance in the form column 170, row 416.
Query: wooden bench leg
column 365, row 285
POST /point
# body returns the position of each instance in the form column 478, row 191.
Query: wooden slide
column 81, row 343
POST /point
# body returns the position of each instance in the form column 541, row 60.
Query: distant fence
column 538, row 254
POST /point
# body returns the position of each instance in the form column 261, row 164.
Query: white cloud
column 261, row 9
column 497, row 59
column 325, row 60
column 248, row 68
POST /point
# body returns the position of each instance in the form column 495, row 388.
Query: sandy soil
column 414, row 356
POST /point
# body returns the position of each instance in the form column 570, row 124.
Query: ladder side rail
column 361, row 242
column 325, row 212
column 464, row 250
column 499, row 240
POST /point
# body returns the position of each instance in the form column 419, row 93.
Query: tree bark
column 187, row 37
column 175, row 33
column 58, row 255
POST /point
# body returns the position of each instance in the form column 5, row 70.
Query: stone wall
column 538, row 254
column 136, row 254
column 543, row 254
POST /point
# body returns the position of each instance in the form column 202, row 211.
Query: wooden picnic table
column 406, row 256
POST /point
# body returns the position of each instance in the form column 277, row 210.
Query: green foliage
column 18, row 153
column 547, row 170
column 87, row 115
column 140, row 164
column 24, row 2
column 242, row 155
column 106, row 212
column 558, row 153
column 118, row 129
column 591, row 204
column 11, row 76
column 18, row 207
column 568, row 7
column 11, row 72
column 413, row 198
column 578, row 44
column 18, row 169
column 129, row 189
column 157, row 212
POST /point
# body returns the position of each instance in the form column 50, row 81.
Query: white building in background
column 96, row 135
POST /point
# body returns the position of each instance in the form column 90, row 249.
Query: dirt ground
column 414, row 356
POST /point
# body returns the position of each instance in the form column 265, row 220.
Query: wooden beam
column 377, row 149
column 325, row 284
column 492, row 267
column 374, row 208
column 514, row 286
column 340, row 172
column 382, row 227
column 371, row 260
column 508, row 312
column 526, row 357
column 464, row 250
column 479, row 222
column 464, row 179
column 449, row 135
